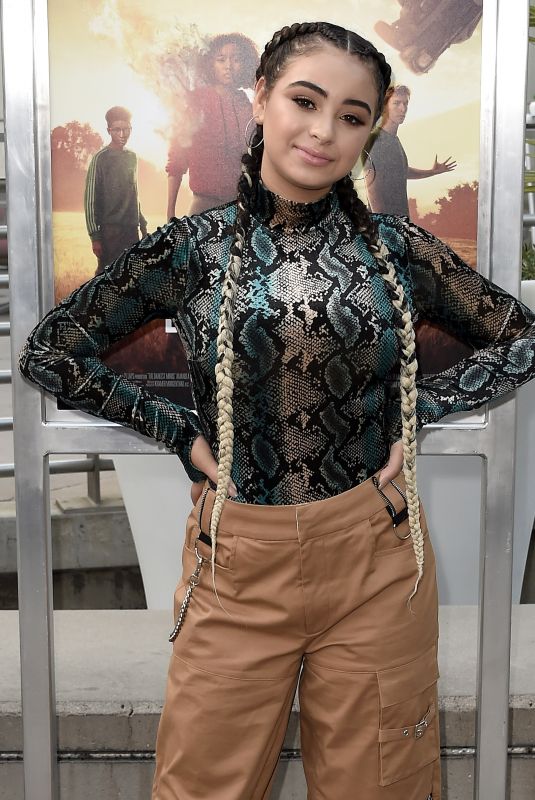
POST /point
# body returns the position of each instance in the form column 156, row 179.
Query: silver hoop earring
column 371, row 168
column 247, row 140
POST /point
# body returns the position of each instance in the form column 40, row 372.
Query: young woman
column 296, row 307
column 223, row 110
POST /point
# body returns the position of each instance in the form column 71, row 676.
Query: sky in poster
column 99, row 57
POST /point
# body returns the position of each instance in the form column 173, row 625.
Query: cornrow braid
column 250, row 172
column 302, row 37
column 250, row 169
column 355, row 209
column 408, row 395
column 358, row 213
column 284, row 36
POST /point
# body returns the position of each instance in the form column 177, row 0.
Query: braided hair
column 291, row 42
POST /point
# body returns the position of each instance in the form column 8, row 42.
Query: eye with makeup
column 309, row 105
column 352, row 119
column 304, row 102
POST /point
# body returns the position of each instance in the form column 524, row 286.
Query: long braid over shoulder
column 358, row 213
column 285, row 44
column 408, row 394
column 250, row 170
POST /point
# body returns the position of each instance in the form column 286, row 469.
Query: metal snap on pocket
column 397, row 517
column 421, row 727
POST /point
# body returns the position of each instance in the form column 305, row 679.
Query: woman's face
column 227, row 65
column 316, row 119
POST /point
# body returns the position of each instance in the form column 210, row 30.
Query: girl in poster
column 303, row 450
column 214, row 156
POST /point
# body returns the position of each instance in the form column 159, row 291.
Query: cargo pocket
column 408, row 730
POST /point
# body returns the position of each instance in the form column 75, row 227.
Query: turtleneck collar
column 278, row 212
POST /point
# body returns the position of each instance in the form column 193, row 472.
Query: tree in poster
column 456, row 215
column 72, row 145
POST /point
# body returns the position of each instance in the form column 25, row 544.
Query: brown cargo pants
column 316, row 592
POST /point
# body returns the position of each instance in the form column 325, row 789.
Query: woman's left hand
column 393, row 465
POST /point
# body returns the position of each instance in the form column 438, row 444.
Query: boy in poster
column 389, row 169
column 112, row 211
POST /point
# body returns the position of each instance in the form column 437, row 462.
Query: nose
column 322, row 127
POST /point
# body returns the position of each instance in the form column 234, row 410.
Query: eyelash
column 309, row 105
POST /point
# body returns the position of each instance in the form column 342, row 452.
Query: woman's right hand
column 202, row 457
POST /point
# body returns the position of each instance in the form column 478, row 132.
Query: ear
column 260, row 100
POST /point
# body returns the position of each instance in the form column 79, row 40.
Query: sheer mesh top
column 316, row 399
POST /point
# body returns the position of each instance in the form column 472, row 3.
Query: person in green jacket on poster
column 112, row 211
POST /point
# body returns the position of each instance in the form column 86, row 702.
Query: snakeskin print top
column 315, row 409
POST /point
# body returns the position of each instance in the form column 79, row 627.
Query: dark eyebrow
column 348, row 101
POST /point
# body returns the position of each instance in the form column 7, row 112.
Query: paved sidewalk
column 110, row 678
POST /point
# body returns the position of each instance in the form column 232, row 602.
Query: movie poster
column 176, row 81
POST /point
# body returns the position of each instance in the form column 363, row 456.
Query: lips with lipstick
column 314, row 157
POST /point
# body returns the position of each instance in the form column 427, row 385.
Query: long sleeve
column 63, row 353
column 92, row 217
column 499, row 328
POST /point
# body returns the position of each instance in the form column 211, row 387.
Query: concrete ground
column 110, row 678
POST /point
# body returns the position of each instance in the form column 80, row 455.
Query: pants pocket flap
column 406, row 681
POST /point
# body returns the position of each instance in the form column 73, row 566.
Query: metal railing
column 93, row 465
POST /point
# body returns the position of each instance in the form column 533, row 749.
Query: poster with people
column 149, row 113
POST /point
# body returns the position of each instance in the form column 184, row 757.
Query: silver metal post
column 529, row 219
column 32, row 491
column 504, row 238
column 494, row 640
column 93, row 479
